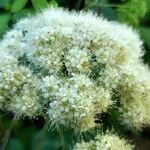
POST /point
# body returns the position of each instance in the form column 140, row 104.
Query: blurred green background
column 33, row 134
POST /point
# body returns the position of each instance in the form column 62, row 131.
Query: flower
column 67, row 67
column 105, row 142
column 135, row 96
column 18, row 88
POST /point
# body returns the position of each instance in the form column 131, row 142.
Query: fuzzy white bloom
column 68, row 66
column 105, row 142
column 135, row 82
column 18, row 88
column 76, row 101
column 78, row 60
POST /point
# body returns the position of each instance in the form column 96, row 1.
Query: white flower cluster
column 74, row 101
column 135, row 96
column 18, row 88
column 105, row 142
column 67, row 66
column 77, row 60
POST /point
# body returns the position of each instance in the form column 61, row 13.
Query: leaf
column 39, row 4
column 46, row 140
column 18, row 5
column 47, row 145
column 20, row 14
column 132, row 11
column 145, row 34
column 2, row 3
column 24, row 132
column 109, row 13
column 6, row 4
column 15, row 144
column 4, row 20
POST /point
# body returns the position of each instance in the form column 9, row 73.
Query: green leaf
column 47, row 145
column 145, row 34
column 4, row 20
column 6, row 4
column 46, row 140
column 24, row 132
column 132, row 11
column 2, row 3
column 20, row 14
column 18, row 5
column 109, row 13
column 39, row 4
column 15, row 144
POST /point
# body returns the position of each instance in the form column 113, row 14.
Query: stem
column 108, row 5
column 102, row 5
column 62, row 139
column 6, row 138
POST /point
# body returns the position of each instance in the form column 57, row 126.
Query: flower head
column 105, row 142
column 67, row 66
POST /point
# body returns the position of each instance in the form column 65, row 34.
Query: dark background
column 33, row 134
